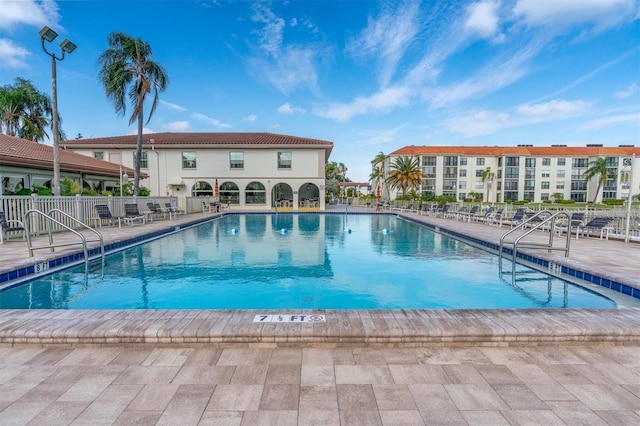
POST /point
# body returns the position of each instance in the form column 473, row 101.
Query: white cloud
column 561, row 14
column 382, row 101
column 271, row 35
column 34, row 13
column 250, row 117
column 631, row 119
column 387, row 38
column 210, row 120
column 629, row 91
column 173, row 106
column 287, row 108
column 286, row 67
column 482, row 18
column 555, row 109
column 12, row 55
column 178, row 126
column 379, row 136
column 486, row 122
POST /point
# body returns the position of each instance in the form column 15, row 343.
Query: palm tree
column 24, row 110
column 377, row 176
column 127, row 70
column 487, row 176
column 598, row 168
column 405, row 174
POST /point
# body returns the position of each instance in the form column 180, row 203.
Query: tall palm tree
column 24, row 110
column 405, row 174
column 598, row 169
column 127, row 70
column 377, row 176
column 487, row 176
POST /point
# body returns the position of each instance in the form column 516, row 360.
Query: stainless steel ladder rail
column 52, row 245
column 85, row 226
column 549, row 246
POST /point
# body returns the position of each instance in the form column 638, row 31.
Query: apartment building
column 525, row 172
column 248, row 170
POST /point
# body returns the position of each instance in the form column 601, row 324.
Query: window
column 144, row 161
column 479, row 161
column 530, row 184
column 544, row 185
column 580, row 162
column 428, row 161
column 561, row 161
column 546, row 173
column 560, row 173
column 531, row 162
column 284, row 160
column 511, row 172
column 255, row 193
column 229, row 193
column 463, row 161
column 512, row 161
column 99, row 155
column 462, row 185
column 544, row 196
column 479, row 172
column 201, row 189
column 188, row 160
column 449, row 172
column 479, row 185
column 463, row 172
column 559, row 185
column 236, row 160
column 546, row 161
column 450, row 161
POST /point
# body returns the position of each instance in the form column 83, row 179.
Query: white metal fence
column 81, row 208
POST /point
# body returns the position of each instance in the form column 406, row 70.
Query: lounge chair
column 156, row 211
column 132, row 214
column 496, row 217
column 105, row 214
column 599, row 223
column 9, row 227
column 410, row 208
column 519, row 216
column 471, row 213
column 483, row 217
column 172, row 210
column 456, row 215
column 442, row 210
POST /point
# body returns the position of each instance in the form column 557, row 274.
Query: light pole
column 627, row 234
column 123, row 176
column 66, row 46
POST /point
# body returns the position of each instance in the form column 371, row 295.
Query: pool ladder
column 52, row 245
column 537, row 221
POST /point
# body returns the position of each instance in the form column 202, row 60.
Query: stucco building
column 524, row 172
column 248, row 170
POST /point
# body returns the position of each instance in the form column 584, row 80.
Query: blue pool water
column 286, row 261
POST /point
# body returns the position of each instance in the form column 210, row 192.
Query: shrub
column 613, row 202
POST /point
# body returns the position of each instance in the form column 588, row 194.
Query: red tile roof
column 492, row 151
column 21, row 152
column 209, row 138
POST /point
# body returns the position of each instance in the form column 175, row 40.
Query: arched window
column 255, row 194
column 202, row 189
column 229, row 193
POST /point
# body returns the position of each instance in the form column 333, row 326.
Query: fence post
column 79, row 209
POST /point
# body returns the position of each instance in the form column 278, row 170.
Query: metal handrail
column 51, row 245
column 549, row 246
column 84, row 225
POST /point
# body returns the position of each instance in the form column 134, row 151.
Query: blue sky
column 371, row 76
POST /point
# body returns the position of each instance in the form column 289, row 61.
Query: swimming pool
column 291, row 261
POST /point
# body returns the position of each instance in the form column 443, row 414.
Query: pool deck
column 372, row 367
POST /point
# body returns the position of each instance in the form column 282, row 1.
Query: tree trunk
column 136, row 179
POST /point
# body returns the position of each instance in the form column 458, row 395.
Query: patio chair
column 496, row 217
column 519, row 216
column 104, row 213
column 10, row 227
column 132, row 214
column 155, row 211
column 483, row 217
column 172, row 210
column 442, row 210
column 471, row 213
column 456, row 215
column 598, row 223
